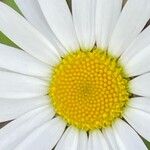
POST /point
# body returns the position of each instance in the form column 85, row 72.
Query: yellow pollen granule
column 89, row 89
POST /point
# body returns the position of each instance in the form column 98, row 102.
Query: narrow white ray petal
column 139, row 120
column 84, row 21
column 19, row 61
column 140, row 63
column 69, row 140
column 107, row 14
column 141, row 85
column 126, row 137
column 32, row 12
column 13, row 108
column 141, row 103
column 140, row 43
column 82, row 141
column 19, row 121
column 13, row 133
column 14, row 85
column 97, row 141
column 60, row 20
column 110, row 138
column 44, row 137
column 132, row 20
column 26, row 36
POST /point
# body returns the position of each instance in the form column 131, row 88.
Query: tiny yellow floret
column 89, row 89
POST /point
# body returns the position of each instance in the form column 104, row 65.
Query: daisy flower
column 79, row 79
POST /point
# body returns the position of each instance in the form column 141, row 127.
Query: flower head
column 79, row 79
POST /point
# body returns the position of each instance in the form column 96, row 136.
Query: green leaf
column 147, row 144
column 12, row 4
column 6, row 41
column 69, row 3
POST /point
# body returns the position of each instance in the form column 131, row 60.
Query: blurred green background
column 5, row 40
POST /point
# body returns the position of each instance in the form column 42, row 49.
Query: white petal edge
column 82, row 141
column 132, row 20
column 13, row 108
column 60, row 20
column 2, row 69
column 107, row 14
column 69, row 140
column 141, row 85
column 84, row 21
column 16, row 60
column 97, row 141
column 26, row 36
column 126, row 137
column 140, row 43
column 139, row 120
column 141, row 103
column 140, row 63
column 13, row 133
column 32, row 12
column 44, row 137
column 110, row 138
column 13, row 85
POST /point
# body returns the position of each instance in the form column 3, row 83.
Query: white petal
column 1, row 69
column 82, row 141
column 13, row 133
column 69, row 140
column 126, row 137
column 44, row 137
column 60, row 20
column 19, row 61
column 84, row 21
column 140, row 43
column 140, row 63
column 107, row 14
column 26, row 36
column 139, row 120
column 141, row 85
column 131, row 21
column 13, row 108
column 141, row 103
column 110, row 138
column 32, row 12
column 97, row 141
column 14, row 85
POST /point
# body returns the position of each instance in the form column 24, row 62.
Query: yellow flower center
column 89, row 89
